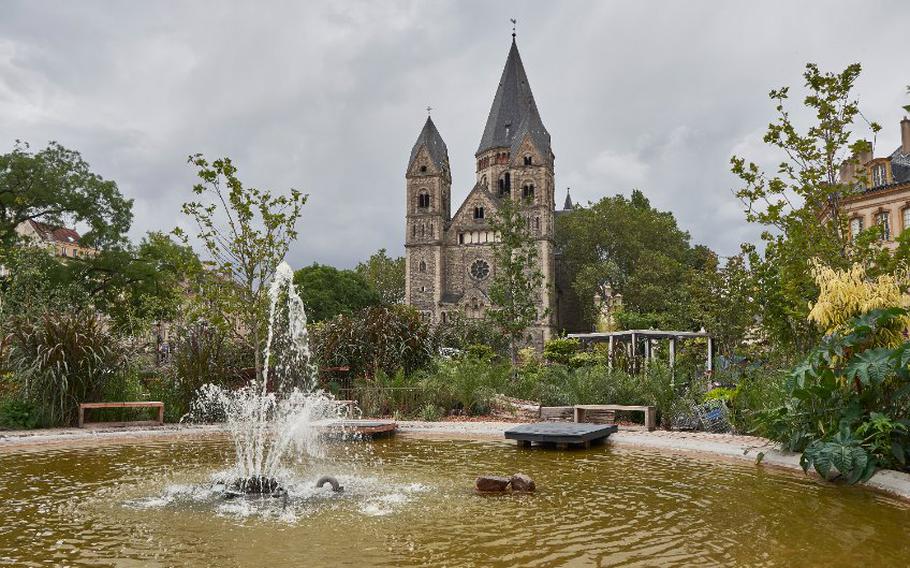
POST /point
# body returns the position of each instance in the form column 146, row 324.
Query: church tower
column 428, row 210
column 515, row 161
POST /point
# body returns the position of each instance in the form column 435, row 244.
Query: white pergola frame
column 649, row 335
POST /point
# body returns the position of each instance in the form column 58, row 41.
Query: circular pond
column 410, row 503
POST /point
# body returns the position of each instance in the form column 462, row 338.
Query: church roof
column 568, row 204
column 431, row 138
column 514, row 113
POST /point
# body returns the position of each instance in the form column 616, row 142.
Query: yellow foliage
column 845, row 294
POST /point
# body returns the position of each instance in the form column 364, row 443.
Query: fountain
column 278, row 418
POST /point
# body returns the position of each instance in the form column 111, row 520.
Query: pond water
column 410, row 503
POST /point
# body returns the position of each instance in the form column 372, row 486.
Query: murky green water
column 409, row 503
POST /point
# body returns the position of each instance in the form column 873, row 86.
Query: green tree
column 385, row 275
column 517, row 284
column 801, row 205
column 58, row 187
column 327, row 291
column 633, row 249
column 246, row 232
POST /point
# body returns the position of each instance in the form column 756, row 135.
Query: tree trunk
column 513, row 353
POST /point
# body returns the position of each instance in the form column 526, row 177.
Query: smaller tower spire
column 568, row 204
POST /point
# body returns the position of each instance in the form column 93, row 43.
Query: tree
column 518, row 282
column 624, row 245
column 246, row 232
column 385, row 275
column 721, row 300
column 801, row 205
column 57, row 186
column 327, row 291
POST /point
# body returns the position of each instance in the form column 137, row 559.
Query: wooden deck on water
column 562, row 435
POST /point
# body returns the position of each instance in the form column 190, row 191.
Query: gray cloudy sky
column 329, row 97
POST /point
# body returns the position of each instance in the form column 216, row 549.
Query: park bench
column 152, row 404
column 650, row 412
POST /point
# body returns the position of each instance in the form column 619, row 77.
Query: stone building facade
column 886, row 200
column 449, row 256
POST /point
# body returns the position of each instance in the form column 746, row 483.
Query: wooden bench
column 556, row 413
column 649, row 411
column 151, row 404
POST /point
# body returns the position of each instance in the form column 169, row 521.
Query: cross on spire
column 429, row 110
column 514, row 23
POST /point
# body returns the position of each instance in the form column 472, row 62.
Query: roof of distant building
column 51, row 233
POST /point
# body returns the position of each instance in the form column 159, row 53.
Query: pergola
column 631, row 338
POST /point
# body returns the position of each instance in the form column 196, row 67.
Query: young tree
column 801, row 205
column 246, row 232
column 518, row 282
column 385, row 275
column 57, row 186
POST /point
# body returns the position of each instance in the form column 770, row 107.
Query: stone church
column 449, row 257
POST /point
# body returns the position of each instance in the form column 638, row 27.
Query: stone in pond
column 491, row 484
column 521, row 482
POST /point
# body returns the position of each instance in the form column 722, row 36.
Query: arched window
column 413, row 230
column 536, row 223
column 478, row 212
column 422, row 267
column 483, row 182
column 528, row 160
column 423, row 169
column 423, row 200
column 505, row 185
column 527, row 191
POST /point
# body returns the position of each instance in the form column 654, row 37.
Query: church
column 449, row 261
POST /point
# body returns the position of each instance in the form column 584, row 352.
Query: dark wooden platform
column 560, row 434
column 365, row 428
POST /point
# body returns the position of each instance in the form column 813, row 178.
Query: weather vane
column 429, row 110
column 514, row 23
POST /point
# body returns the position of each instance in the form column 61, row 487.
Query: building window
column 505, row 184
column 881, row 219
column 478, row 212
column 483, row 182
column 537, row 223
column 423, row 200
column 528, row 160
column 905, row 214
column 856, row 226
column 422, row 267
column 461, row 238
column 423, row 169
column 413, row 230
column 528, row 191
column 480, row 269
column 878, row 175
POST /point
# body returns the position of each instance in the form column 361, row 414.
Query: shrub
column 850, row 395
column 467, row 383
column 430, row 413
column 459, row 332
column 61, row 359
column 386, row 338
column 18, row 415
column 560, row 350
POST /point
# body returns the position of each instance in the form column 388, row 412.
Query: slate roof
column 514, row 113
column 900, row 166
column 431, row 138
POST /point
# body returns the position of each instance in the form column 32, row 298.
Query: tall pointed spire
column 514, row 112
column 568, row 204
column 431, row 139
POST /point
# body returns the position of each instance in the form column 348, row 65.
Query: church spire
column 567, row 206
column 431, row 139
column 514, row 112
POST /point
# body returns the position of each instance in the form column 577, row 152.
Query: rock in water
column 491, row 484
column 521, row 482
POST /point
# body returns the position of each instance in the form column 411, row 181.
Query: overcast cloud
column 329, row 97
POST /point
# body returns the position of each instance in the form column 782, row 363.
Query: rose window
column 480, row 269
